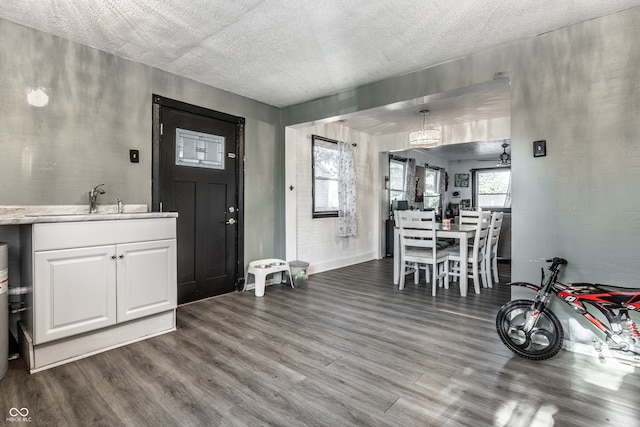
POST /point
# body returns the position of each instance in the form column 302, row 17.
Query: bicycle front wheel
column 542, row 342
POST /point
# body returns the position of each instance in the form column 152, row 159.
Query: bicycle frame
column 614, row 303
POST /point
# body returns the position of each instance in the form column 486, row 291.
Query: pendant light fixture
column 424, row 136
column 505, row 158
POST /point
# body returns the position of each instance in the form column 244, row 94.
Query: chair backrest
column 471, row 217
column 417, row 232
column 483, row 221
column 407, row 213
column 494, row 234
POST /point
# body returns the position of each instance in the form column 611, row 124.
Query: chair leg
column 494, row 261
column 453, row 269
column 416, row 273
column 476, row 278
column 434, row 281
column 487, row 272
column 483, row 274
column 446, row 274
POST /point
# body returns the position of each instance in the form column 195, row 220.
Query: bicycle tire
column 542, row 342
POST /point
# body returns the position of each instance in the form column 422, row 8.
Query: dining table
column 461, row 232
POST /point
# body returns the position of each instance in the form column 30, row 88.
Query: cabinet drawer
column 65, row 235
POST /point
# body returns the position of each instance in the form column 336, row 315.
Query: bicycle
column 531, row 330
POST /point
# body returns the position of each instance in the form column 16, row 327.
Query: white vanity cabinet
column 97, row 285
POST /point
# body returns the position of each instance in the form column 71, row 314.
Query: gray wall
column 578, row 88
column 99, row 107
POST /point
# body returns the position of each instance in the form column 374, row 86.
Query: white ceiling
column 477, row 103
column 284, row 52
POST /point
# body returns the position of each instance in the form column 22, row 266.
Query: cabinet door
column 75, row 291
column 146, row 278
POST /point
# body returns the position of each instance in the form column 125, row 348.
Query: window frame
column 438, row 176
column 404, row 190
column 476, row 183
column 314, row 212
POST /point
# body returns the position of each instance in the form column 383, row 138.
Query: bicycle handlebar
column 557, row 261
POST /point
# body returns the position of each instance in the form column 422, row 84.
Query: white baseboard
column 319, row 267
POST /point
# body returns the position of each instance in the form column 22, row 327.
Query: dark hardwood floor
column 348, row 349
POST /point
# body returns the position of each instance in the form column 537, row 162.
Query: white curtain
column 346, row 191
column 410, row 187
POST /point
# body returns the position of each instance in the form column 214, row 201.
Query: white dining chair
column 471, row 217
column 414, row 216
column 491, row 248
column 418, row 246
column 475, row 258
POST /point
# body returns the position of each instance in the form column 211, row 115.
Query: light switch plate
column 539, row 148
column 134, row 156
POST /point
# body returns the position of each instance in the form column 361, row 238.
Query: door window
column 198, row 149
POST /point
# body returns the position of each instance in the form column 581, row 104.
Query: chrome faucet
column 93, row 197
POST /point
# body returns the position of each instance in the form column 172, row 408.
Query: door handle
column 231, row 221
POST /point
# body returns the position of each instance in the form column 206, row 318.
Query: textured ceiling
column 283, row 52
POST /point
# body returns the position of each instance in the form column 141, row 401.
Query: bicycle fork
column 532, row 318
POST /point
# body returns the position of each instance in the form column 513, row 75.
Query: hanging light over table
column 424, row 136
column 505, row 158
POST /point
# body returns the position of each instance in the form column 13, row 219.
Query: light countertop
column 35, row 214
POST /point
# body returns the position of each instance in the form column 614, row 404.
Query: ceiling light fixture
column 424, row 136
column 505, row 158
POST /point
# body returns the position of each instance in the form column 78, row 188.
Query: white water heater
column 4, row 309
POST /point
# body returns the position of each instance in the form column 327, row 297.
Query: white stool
column 261, row 269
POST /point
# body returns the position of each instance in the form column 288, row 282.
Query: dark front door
column 200, row 169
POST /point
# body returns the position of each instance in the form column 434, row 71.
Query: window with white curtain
column 334, row 189
column 325, row 177
column 492, row 188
